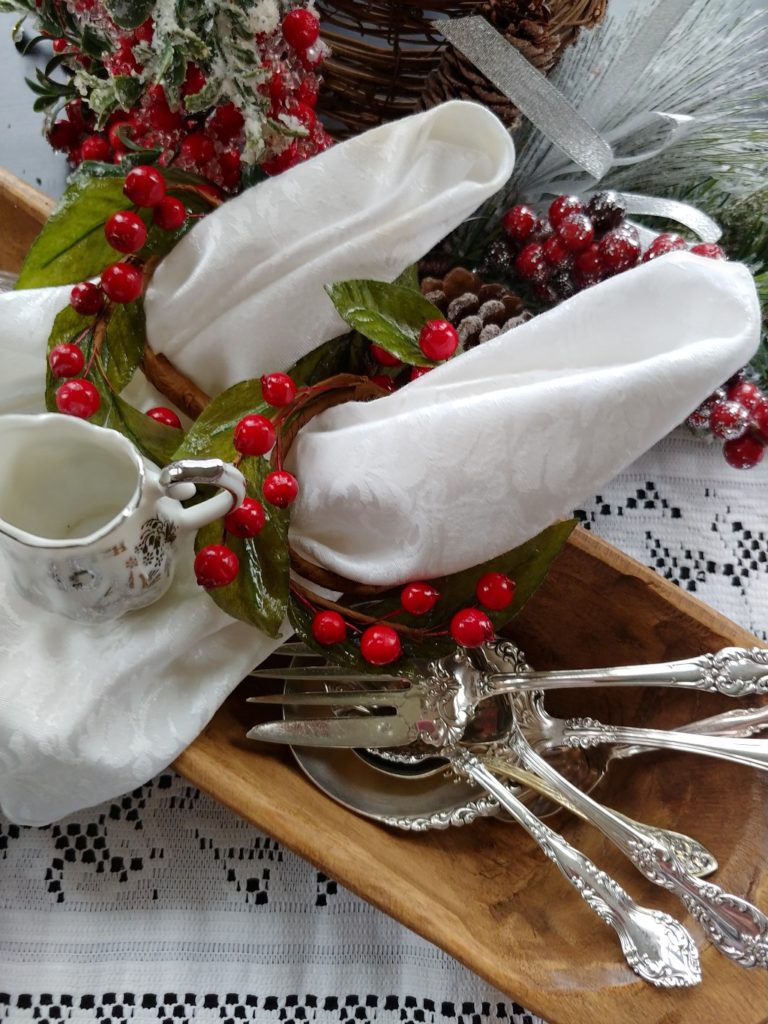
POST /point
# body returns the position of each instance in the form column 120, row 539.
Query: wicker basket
column 386, row 59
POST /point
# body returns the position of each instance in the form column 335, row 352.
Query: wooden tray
column 484, row 893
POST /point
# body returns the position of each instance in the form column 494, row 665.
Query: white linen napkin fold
column 462, row 464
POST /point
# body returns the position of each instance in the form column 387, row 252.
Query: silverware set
column 481, row 715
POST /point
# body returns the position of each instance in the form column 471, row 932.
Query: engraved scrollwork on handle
column 733, row 671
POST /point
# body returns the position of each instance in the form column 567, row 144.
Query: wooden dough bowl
column 485, row 893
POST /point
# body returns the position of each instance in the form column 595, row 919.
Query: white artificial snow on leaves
column 264, row 16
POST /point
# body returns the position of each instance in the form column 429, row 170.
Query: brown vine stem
column 355, row 616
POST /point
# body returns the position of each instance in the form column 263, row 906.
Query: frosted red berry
column 710, row 250
column 307, row 92
column 471, row 627
column 63, row 135
column 144, row 186
column 760, row 416
column 588, row 266
column 744, row 453
column 495, row 590
column 278, row 389
column 619, row 249
column 87, row 298
column 746, row 393
column 216, row 566
column 280, row 488
column 519, row 222
column 438, row 340
column 194, row 80
column 384, row 358
column 531, row 263
column 328, row 628
column 95, row 147
column 198, row 149
column 59, row 45
column 254, row 435
column 419, row 598
column 728, row 420
column 561, row 207
column 66, row 360
column 78, row 398
column 576, row 232
column 122, row 282
column 380, row 645
column 226, row 122
column 162, row 414
column 247, row 520
column 125, row 231
column 555, row 253
column 666, row 242
column 300, row 28
column 170, row 214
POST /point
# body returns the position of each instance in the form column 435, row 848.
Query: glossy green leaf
column 409, row 278
column 389, row 315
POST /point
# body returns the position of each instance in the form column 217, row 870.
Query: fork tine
column 296, row 650
column 333, row 672
column 347, row 698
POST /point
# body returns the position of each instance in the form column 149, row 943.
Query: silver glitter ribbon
column 556, row 118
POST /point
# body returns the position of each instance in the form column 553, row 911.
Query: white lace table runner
column 163, row 906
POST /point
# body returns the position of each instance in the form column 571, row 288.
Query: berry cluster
column 380, row 643
column 736, row 414
column 576, row 245
column 121, row 282
column 217, row 565
column 206, row 124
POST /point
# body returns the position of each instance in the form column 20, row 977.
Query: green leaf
column 155, row 441
column 129, row 13
column 389, row 315
column 345, row 354
column 124, row 344
column 409, row 278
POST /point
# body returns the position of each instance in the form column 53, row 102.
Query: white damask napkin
column 458, row 466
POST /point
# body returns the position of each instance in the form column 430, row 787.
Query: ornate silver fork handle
column 588, row 732
column 733, row 671
column 734, row 926
column 655, row 945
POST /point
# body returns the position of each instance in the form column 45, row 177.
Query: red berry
column 745, row 393
column 419, row 598
column 165, row 416
column 254, row 435
column 562, row 207
column 280, row 488
column 170, row 214
column 760, row 416
column 283, row 161
column 728, row 420
column 63, row 135
column 329, row 628
column 225, row 122
column 383, row 381
column 87, row 298
column 576, row 232
column 531, row 263
column 194, row 80
column 588, row 266
column 495, row 590
column 307, row 92
column 666, row 242
column 555, row 253
column 304, row 114
column 278, row 389
column 198, row 149
column 144, row 186
column 122, row 61
column 619, row 249
column 247, row 520
column 380, row 645
column 160, row 116
column 231, row 168
column 300, row 28
column 438, row 340
column 384, row 358
column 710, row 250
column 743, row 453
column 95, row 147
column 78, row 398
column 470, row 627
column 127, row 128
column 216, row 566
column 122, row 282
column 419, row 371
column 145, row 32
column 66, row 360
column 519, row 222
column 59, row 45
column 125, row 231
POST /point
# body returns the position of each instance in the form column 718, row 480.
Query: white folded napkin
column 460, row 465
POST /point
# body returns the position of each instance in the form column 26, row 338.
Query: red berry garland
column 380, row 645
column 66, row 360
column 122, row 282
column 495, row 590
column 438, row 340
column 470, row 627
column 125, row 231
column 87, row 298
column 280, row 488
column 254, row 435
column 278, row 389
column 169, row 214
column 166, row 416
column 328, row 628
column 216, row 566
column 78, row 398
column 246, row 521
column 145, row 186
column 419, row 598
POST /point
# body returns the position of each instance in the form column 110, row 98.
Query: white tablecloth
column 163, row 906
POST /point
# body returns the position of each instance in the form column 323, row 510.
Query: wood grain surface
column 484, row 893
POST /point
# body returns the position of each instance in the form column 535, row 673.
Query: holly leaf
column 409, row 278
column 390, row 315
column 129, row 13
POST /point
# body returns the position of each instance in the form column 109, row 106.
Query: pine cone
column 477, row 310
